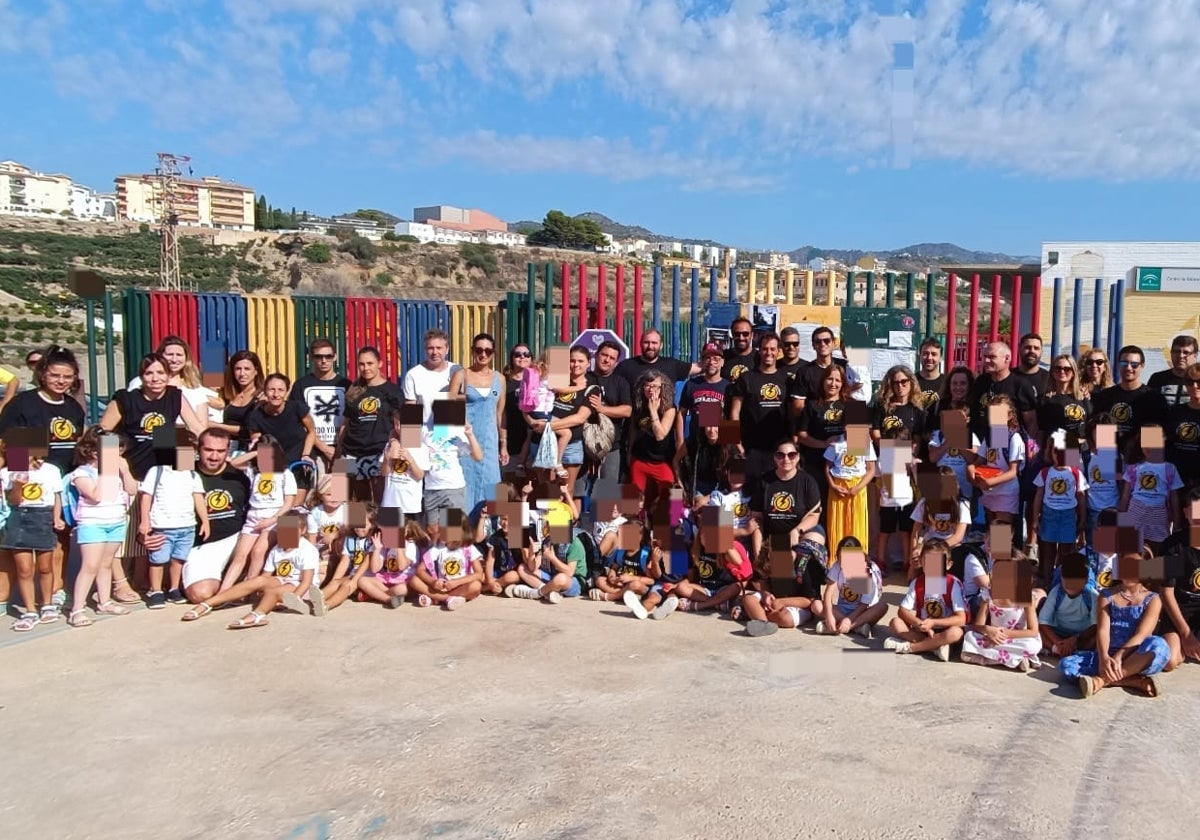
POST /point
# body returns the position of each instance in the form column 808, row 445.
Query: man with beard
column 741, row 356
column 1030, row 366
column 758, row 401
column 1182, row 432
column 1129, row 403
column 1173, row 383
column 997, row 378
column 615, row 402
column 226, row 492
column 323, row 390
column 651, row 358
column 807, row 382
column 789, row 343
column 930, row 377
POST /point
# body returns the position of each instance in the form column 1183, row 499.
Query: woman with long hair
column 822, row 422
column 651, row 442
column 243, row 388
column 1065, row 406
column 514, row 431
column 367, row 427
column 483, row 388
column 956, row 390
column 184, row 375
column 896, row 416
column 1095, row 373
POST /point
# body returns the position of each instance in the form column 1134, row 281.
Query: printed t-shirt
column 1061, row 484
column 43, row 484
column 268, row 490
column 172, row 504
column 225, row 497
column 326, row 403
column 290, row 564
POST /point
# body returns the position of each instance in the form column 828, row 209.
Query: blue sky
column 758, row 123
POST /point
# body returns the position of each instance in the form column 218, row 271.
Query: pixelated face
column 176, row 358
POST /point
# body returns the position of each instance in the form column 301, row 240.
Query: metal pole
column 1055, row 331
column 1076, row 318
column 1096, row 310
column 93, row 360
column 695, row 333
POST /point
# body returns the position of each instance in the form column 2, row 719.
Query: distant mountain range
column 914, row 256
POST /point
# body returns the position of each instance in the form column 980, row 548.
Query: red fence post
column 564, row 332
column 583, row 278
column 951, row 307
column 601, row 292
column 1035, row 313
column 637, row 312
column 994, row 332
column 973, row 327
column 619, row 303
column 1015, row 329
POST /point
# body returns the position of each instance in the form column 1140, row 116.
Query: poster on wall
column 718, row 336
column 765, row 317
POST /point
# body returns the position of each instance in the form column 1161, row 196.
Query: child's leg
column 104, row 574
column 175, row 573
column 24, row 561
column 652, row 599
column 338, row 592
column 752, row 607
column 564, row 440
column 239, row 591
column 871, row 615
column 373, row 588
column 529, row 578
column 92, row 557
column 470, row 590
column 271, row 597
column 155, row 573
column 237, row 562
column 258, row 555
column 901, row 630
column 790, row 612
column 943, row 637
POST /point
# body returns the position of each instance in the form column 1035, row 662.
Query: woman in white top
column 184, row 375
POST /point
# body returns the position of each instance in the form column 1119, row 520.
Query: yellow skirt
column 845, row 517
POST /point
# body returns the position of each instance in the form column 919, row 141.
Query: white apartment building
column 207, row 202
column 24, row 192
column 426, row 232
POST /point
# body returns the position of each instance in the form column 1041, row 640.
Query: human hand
column 1191, row 646
column 843, row 626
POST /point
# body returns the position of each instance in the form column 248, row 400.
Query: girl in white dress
column 1004, row 634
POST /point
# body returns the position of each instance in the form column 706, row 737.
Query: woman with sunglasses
column 1095, row 374
column 1064, row 406
column 896, row 416
column 485, row 395
column 514, row 431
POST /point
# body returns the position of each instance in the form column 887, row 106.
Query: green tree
column 562, row 231
column 479, row 256
column 318, row 252
column 361, row 248
column 261, row 213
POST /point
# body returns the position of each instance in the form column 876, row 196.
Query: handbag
column 599, row 437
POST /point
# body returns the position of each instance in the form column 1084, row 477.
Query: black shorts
column 893, row 520
column 1165, row 625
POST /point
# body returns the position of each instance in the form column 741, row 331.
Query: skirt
column 845, row 517
column 30, row 529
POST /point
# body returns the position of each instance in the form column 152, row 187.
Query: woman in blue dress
column 1127, row 653
column 483, row 389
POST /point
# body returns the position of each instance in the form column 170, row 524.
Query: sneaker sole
column 635, row 606
column 762, row 628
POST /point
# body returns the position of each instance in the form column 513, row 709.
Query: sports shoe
column 553, row 597
column 597, row 595
column 318, row 600
column 634, row 603
column 665, row 608
column 59, row 598
column 292, row 601
column 424, row 600
column 686, row 605
column 520, row 590
column 943, row 653
column 176, row 596
column 396, row 601
column 867, row 631
column 820, row 628
column 156, row 601
column 761, row 628
column 898, row 645
column 455, row 601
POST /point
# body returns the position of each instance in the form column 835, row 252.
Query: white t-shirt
column 1152, row 483
column 291, row 564
column 1105, row 566
column 43, row 484
column 446, row 564
column 172, row 504
column 973, row 568
column 425, row 386
column 395, row 562
column 445, row 461
column 1102, row 490
column 846, row 466
column 848, row 598
column 323, row 525
column 110, row 509
column 923, row 610
column 737, row 502
column 267, row 490
column 400, row 489
column 1061, row 484
column 954, row 459
column 943, row 526
column 1010, row 491
column 895, row 485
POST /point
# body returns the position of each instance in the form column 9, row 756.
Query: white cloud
column 21, row 32
column 323, row 61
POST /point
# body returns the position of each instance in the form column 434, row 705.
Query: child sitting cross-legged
column 720, row 565
column 1067, row 618
column 933, row 612
column 1005, row 632
column 451, row 569
column 853, row 597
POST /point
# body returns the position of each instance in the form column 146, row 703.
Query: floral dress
column 1008, row 653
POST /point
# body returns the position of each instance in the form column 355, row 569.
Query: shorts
column 1005, row 503
column 572, row 454
column 365, row 468
column 179, row 542
column 393, row 578
column 208, row 561
column 573, row 591
column 30, row 529
column 896, row 519
column 1057, row 526
column 451, row 499
column 800, row 616
column 253, row 517
column 109, row 532
column 640, row 473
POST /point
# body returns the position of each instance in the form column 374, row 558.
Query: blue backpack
column 70, row 502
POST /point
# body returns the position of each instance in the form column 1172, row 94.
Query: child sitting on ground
column 930, row 621
column 360, row 548
column 451, row 570
column 765, row 610
column 853, row 597
column 326, row 519
column 1004, row 632
column 1067, row 618
column 715, row 577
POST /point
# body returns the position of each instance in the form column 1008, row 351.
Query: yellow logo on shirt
column 769, row 391
column 1105, row 579
column 933, row 607
column 849, row 460
column 992, row 456
column 357, row 558
column 705, row 569
column 1148, row 481
column 782, row 502
column 1096, row 476
column 152, row 421
column 952, row 453
column 1187, row 432
column 892, row 423
column 736, row 371
column 284, row 569
column 740, row 510
column 942, row 526
column 266, row 486
column 218, row 500
column 849, row 595
column 392, row 564
column 62, row 429
column 833, row 415
column 453, row 567
column 331, row 528
column 1058, row 486
column 368, row 405
column 1196, row 581
column 399, row 466
column 1121, row 412
column 31, row 492
column 1073, row 412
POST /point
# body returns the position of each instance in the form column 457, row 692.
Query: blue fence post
column 1096, row 310
column 695, row 331
column 1055, row 329
column 1120, row 342
column 656, row 285
column 676, row 280
column 713, row 276
column 1077, row 318
column 733, row 295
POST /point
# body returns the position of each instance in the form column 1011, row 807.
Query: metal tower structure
column 168, row 174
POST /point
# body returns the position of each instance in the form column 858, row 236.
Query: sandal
column 111, row 607
column 199, row 611
column 79, row 618
column 26, row 622
column 49, row 614
column 254, row 619
column 1150, row 686
column 1087, row 686
column 127, row 597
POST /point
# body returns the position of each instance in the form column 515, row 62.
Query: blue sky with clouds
column 754, row 122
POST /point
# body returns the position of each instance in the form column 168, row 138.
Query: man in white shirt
column 432, row 379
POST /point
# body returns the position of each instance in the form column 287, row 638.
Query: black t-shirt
column 226, row 494
column 139, row 418
column 697, row 392
column 1039, row 379
column 632, row 369
column 514, row 421
column 1172, row 386
column 63, row 420
column 793, row 369
column 700, row 468
column 736, row 365
column 783, row 503
column 1182, row 435
column 368, row 423
column 235, row 415
column 326, row 401
column 286, row 427
column 1130, row 410
column 645, row 447
column 927, row 392
column 567, row 403
column 764, row 416
column 822, row 421
column 889, row 422
column 1063, row 411
column 614, row 391
column 807, row 383
column 1016, row 388
column 1187, row 582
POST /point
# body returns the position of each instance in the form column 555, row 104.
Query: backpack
column 1074, row 471
column 595, row 563
column 1092, row 584
column 531, row 383
column 1089, row 593
column 70, row 504
column 951, row 580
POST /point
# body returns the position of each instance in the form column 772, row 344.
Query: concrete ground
column 516, row 719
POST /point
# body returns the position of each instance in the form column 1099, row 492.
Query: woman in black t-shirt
column 153, row 405
column 50, row 406
column 514, row 431
column 367, row 425
column 651, row 438
column 241, row 392
column 1064, row 406
column 895, row 409
column 287, row 421
column 571, row 410
column 821, row 422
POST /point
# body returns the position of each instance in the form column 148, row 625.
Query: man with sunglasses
column 758, row 401
column 1130, row 403
column 806, row 383
column 741, row 357
column 1173, row 383
column 323, row 390
column 790, row 361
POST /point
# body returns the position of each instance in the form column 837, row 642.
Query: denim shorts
column 572, row 454
column 572, row 591
column 178, row 545
column 111, row 532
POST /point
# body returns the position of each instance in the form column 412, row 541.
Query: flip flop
column 254, row 619
column 199, row 611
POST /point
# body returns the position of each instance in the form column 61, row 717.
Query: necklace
column 1131, row 597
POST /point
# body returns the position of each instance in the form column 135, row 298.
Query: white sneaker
column 943, row 653
column 553, row 597
column 898, row 645
column 820, row 628
column 292, row 601
column 665, row 608
column 520, row 590
column 318, row 600
column 634, row 603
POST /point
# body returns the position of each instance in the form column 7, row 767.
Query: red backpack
column 951, row 582
column 1074, row 471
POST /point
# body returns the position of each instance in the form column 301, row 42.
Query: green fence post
column 891, row 290
column 548, row 321
column 909, row 292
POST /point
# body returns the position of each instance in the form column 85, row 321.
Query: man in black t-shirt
column 1030, row 365
column 998, row 379
column 226, row 494
column 615, row 402
column 1182, row 584
column 928, row 388
column 1129, row 403
column 323, row 391
column 758, row 401
column 703, row 397
column 789, row 346
column 741, row 357
column 1181, row 431
column 806, row 384
column 651, row 358
column 1172, row 384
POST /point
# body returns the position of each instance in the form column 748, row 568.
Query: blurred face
column 435, row 352
column 959, row 387
column 213, row 453
column 33, row 361
column 1182, row 355
column 323, row 360
column 931, row 361
column 606, row 361
column 578, row 365
column 58, row 379
column 154, row 378
column 789, row 345
column 1130, row 367
column 368, row 366
column 176, row 358
column 243, row 373
column 711, row 433
column 1031, row 353
column 651, row 346
column 740, row 332
column 276, row 392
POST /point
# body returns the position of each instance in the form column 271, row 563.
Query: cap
column 711, row 349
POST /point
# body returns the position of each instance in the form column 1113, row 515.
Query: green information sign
column 1167, row 280
column 1148, row 280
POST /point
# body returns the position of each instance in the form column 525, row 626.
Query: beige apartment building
column 207, row 202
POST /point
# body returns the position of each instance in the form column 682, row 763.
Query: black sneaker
column 176, row 596
column 156, row 600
